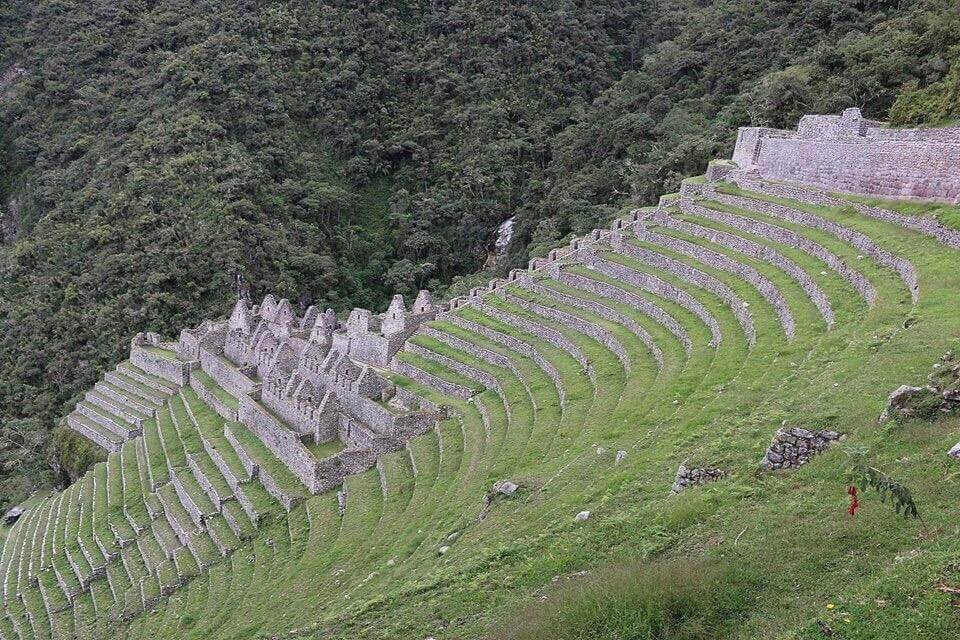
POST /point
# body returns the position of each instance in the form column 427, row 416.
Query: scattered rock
column 583, row 516
column 505, row 487
column 792, row 448
column 13, row 515
column 342, row 502
column 601, row 451
column 941, row 395
column 690, row 476
column 621, row 454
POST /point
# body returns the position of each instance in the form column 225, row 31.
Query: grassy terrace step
column 795, row 296
column 211, row 385
column 102, row 436
column 263, row 458
column 438, row 370
column 660, row 283
column 770, row 253
column 257, row 503
column 609, row 314
column 119, row 425
column 529, row 428
column 835, row 289
column 731, row 217
column 559, row 316
column 877, row 272
column 133, row 510
column 156, row 382
column 731, row 194
column 132, row 392
column 115, row 407
column 518, row 401
column 580, row 391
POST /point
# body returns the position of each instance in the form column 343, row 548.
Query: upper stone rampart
column 849, row 153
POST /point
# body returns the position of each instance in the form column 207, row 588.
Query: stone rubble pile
column 690, row 476
column 940, row 395
column 794, row 447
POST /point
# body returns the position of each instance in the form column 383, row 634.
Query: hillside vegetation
column 627, row 366
column 153, row 151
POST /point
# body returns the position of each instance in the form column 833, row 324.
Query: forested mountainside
column 151, row 151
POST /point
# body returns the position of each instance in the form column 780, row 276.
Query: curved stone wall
column 860, row 241
column 546, row 334
column 576, row 323
column 721, row 262
column 601, row 310
column 429, row 380
column 698, row 279
column 623, row 296
column 754, row 250
column 927, row 226
column 791, row 239
column 517, row 345
column 657, row 286
column 488, row 380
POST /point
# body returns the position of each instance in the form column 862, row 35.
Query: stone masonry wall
column 754, row 250
column 212, row 401
column 174, row 371
column 698, row 279
column 927, row 226
column 226, row 375
column 719, row 261
column 575, row 322
column 792, row 239
column 889, row 168
column 283, row 442
column 429, row 380
column 851, row 154
column 862, row 242
column 608, row 313
column 625, row 297
column 658, row 287
column 517, row 345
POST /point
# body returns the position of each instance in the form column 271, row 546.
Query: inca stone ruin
column 275, row 404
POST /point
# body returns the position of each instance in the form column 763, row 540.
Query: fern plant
column 865, row 476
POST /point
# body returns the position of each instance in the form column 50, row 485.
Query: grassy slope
column 378, row 572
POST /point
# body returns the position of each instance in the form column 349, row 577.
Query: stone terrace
column 240, row 421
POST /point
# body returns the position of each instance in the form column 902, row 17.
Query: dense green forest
column 333, row 152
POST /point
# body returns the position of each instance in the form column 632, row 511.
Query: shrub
column 75, row 453
column 937, row 103
column 676, row 599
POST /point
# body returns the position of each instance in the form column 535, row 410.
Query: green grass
column 210, row 384
column 321, row 450
column 753, row 555
column 166, row 354
column 947, row 215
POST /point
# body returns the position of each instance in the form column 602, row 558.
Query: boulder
column 505, row 487
column 13, row 515
column 583, row 516
column 912, row 402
